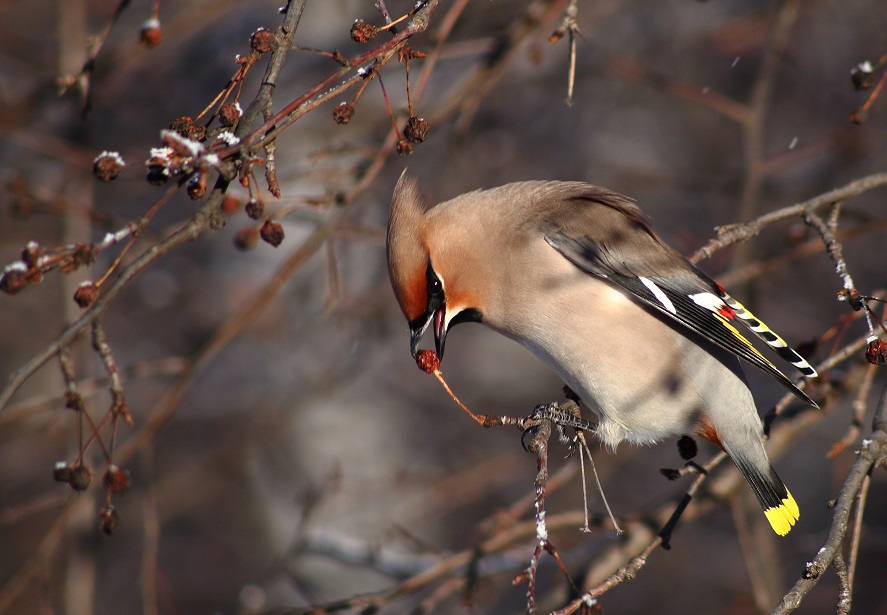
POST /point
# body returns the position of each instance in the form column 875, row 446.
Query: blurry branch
column 872, row 453
column 806, row 249
column 754, row 124
column 466, row 99
column 737, row 233
column 621, row 562
column 82, row 79
column 863, row 76
column 720, row 103
column 326, row 89
column 207, row 218
column 169, row 366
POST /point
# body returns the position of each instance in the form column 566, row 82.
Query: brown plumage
column 575, row 274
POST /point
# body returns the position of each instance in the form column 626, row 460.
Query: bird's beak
column 417, row 330
column 437, row 315
column 440, row 329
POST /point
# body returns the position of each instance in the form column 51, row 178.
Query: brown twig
column 872, row 452
column 737, row 233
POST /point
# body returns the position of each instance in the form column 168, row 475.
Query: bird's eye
column 435, row 287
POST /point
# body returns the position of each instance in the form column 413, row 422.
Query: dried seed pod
column 81, row 477
column 13, row 280
column 272, row 232
column 262, row 41
column 150, row 34
column 876, row 352
column 186, row 127
column 231, row 204
column 862, row 76
column 117, row 479
column 255, row 209
column 196, row 186
column 343, row 112
column 31, row 253
column 246, row 238
column 428, row 361
column 363, row 31
column 157, row 174
column 416, row 129
column 61, row 472
column 108, row 519
column 404, row 147
column 107, row 166
column 182, row 125
column 229, row 114
column 86, row 294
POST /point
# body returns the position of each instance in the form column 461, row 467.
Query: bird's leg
column 566, row 415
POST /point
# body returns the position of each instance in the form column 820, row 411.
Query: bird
column 575, row 273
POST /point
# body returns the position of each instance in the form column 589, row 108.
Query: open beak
column 435, row 315
column 440, row 329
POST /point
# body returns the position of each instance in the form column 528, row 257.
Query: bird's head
column 433, row 278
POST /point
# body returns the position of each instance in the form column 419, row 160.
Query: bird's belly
column 645, row 380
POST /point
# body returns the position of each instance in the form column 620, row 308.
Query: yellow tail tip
column 783, row 517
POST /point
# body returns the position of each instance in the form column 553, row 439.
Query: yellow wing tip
column 783, row 517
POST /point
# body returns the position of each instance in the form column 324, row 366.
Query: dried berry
column 108, row 519
column 343, row 112
column 81, row 477
column 74, row 401
column 246, row 238
column 416, row 129
column 182, row 125
column 230, row 204
column 363, row 31
column 862, row 76
column 107, row 166
column 151, row 33
column 13, row 280
column 117, row 479
column 255, row 209
column 229, row 113
column 62, row 472
column 157, row 174
column 427, row 361
column 262, row 41
column 83, row 254
column 196, row 187
column 404, row 147
column 186, row 127
column 272, row 232
column 32, row 253
column 876, row 352
column 86, row 294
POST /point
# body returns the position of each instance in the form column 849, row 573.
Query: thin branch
column 737, row 233
column 202, row 220
column 872, row 452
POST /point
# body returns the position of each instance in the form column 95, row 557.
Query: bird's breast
column 640, row 375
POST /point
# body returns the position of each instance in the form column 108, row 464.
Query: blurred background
column 309, row 460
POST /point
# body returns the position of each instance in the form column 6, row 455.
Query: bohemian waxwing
column 574, row 273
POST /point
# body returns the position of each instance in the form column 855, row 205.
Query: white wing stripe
column 708, row 301
column 660, row 296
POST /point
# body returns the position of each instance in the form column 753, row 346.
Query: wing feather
column 682, row 293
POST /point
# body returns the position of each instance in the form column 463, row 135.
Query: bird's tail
column 776, row 500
